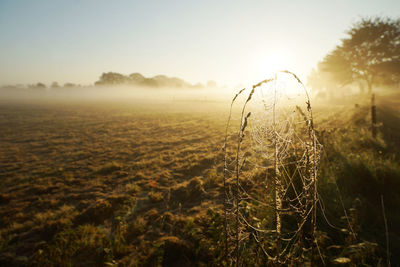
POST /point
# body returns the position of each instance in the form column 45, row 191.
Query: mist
column 116, row 94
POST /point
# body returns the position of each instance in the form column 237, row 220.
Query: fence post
column 373, row 116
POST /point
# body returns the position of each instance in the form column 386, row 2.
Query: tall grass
column 282, row 145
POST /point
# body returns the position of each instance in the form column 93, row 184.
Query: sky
column 231, row 42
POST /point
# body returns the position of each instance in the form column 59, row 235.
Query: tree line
column 116, row 79
column 113, row 78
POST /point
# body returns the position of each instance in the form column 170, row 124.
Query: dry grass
column 68, row 171
column 99, row 185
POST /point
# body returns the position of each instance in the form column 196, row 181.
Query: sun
column 273, row 62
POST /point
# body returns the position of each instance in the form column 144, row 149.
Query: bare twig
column 386, row 233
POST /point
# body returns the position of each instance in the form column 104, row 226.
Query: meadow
column 140, row 183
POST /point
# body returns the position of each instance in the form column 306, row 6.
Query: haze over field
column 231, row 42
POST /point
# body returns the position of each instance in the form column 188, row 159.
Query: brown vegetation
column 73, row 175
column 94, row 185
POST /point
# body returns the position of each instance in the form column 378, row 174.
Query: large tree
column 370, row 52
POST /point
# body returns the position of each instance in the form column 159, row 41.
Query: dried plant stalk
column 287, row 145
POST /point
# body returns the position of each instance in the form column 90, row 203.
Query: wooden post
column 373, row 116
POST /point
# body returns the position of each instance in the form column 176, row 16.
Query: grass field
column 119, row 183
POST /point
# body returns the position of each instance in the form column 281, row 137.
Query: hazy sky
column 230, row 42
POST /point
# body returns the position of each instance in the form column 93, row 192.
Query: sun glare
column 276, row 61
column 272, row 63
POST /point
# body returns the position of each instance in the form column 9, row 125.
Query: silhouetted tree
column 372, row 50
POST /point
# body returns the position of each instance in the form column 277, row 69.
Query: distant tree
column 111, row 78
column 40, row 86
column 371, row 51
column 161, row 80
column 164, row 81
column 55, row 85
column 69, row 85
column 178, row 83
column 150, row 82
column 6, row 87
column 136, row 78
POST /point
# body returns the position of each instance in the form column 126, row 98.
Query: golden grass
column 88, row 185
